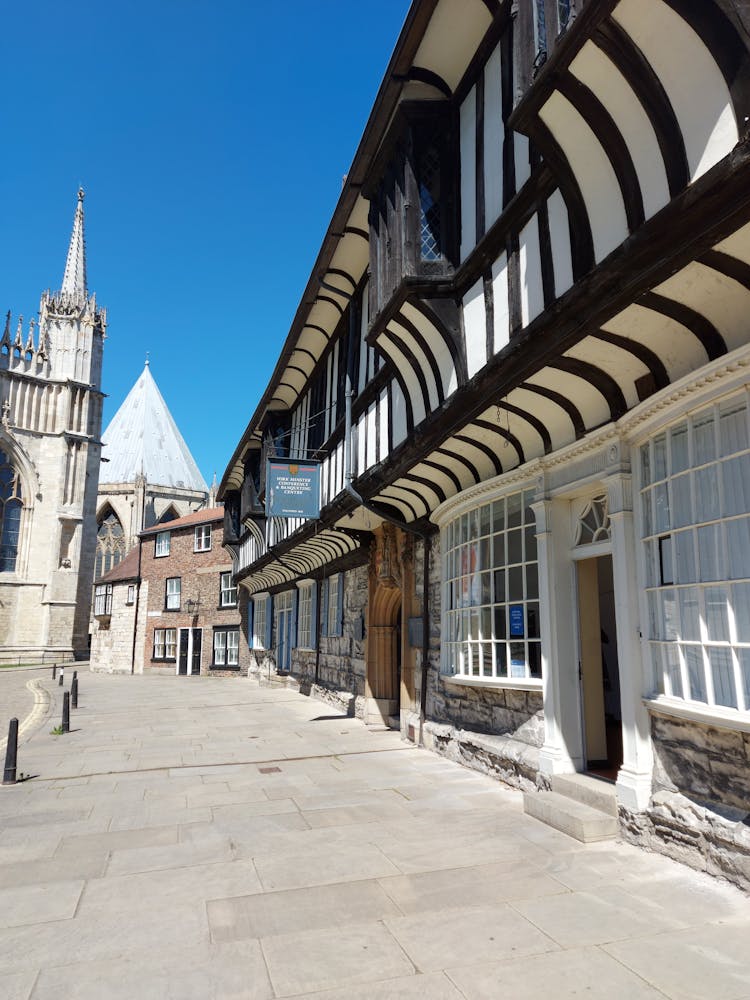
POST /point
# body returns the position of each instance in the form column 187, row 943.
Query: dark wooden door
column 182, row 656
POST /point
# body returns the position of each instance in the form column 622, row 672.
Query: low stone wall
column 699, row 811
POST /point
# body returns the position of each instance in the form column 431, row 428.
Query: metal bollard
column 11, row 754
column 75, row 674
column 54, row 671
column 66, row 713
column 61, row 677
column 74, row 692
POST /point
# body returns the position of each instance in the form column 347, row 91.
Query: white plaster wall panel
column 622, row 366
column 398, row 414
column 530, row 267
column 475, row 328
column 361, row 445
column 723, row 301
column 737, row 245
column 398, row 502
column 500, row 304
column 554, row 417
column 592, row 67
column 493, row 139
column 455, row 30
column 325, row 481
column 439, row 478
column 521, row 159
column 530, row 440
column 590, row 403
column 559, row 235
column 458, row 469
column 405, row 494
column 383, row 418
column 700, row 97
column 411, row 380
column 596, row 177
column 471, row 453
column 439, row 348
column 468, row 152
column 372, row 452
column 416, row 348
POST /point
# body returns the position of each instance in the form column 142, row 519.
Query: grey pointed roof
column 74, row 279
column 142, row 438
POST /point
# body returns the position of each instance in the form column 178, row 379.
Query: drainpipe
column 403, row 525
column 137, row 603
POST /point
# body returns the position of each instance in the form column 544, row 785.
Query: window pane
column 733, row 428
column 738, row 545
column 532, row 581
column 684, row 546
column 689, row 614
column 741, row 608
column 530, row 543
column 736, row 475
column 681, row 505
column 672, row 674
column 706, row 485
column 694, row 662
column 660, row 457
column 744, row 655
column 717, row 618
column 515, row 554
column 722, row 673
column 708, row 552
column 645, row 465
column 703, row 437
column 679, row 446
column 661, row 508
column 514, row 510
column 535, row 659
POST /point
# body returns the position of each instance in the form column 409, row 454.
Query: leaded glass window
column 695, row 524
column 11, row 505
column 110, row 545
column 429, row 205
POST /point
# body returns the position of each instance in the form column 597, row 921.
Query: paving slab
column 180, row 857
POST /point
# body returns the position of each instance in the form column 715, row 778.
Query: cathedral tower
column 50, row 450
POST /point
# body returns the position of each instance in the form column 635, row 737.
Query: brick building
column 175, row 595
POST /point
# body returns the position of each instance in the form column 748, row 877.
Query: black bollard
column 61, row 678
column 54, row 671
column 66, row 713
column 75, row 674
column 74, row 692
column 11, row 754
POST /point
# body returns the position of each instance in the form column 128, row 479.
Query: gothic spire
column 74, row 280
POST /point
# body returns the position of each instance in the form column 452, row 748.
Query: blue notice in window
column 516, row 619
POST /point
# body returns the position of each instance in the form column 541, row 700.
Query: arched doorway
column 383, row 653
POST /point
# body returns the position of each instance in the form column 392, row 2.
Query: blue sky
column 211, row 139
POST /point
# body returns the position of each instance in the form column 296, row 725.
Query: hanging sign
column 292, row 488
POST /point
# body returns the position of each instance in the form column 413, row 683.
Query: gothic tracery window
column 11, row 505
column 593, row 524
column 110, row 545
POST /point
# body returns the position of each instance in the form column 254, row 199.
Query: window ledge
column 707, row 715
column 495, row 683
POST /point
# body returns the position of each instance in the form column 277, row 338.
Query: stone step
column 580, row 821
column 393, row 722
column 588, row 789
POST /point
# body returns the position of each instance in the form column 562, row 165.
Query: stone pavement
column 200, row 838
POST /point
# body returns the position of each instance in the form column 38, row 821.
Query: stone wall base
column 694, row 833
column 347, row 703
column 510, row 760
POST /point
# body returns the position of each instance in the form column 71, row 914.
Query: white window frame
column 226, row 647
column 103, row 600
column 694, row 666
column 202, row 538
column 333, row 625
column 304, row 616
column 131, row 594
column 165, row 644
column 475, row 651
column 259, row 622
column 172, row 593
column 227, row 591
column 162, row 544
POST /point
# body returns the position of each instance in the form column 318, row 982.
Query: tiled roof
column 125, row 570
column 197, row 517
column 142, row 438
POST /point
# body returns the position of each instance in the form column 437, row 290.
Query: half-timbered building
column 522, row 361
